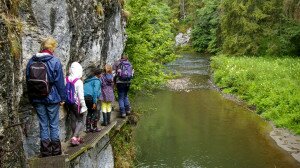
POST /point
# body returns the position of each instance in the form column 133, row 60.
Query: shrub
column 271, row 84
column 150, row 42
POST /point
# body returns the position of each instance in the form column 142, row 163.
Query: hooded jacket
column 92, row 87
column 75, row 71
column 56, row 78
column 107, row 88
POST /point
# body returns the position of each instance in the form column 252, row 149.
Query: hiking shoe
column 56, row 148
column 128, row 110
column 108, row 118
column 74, row 141
column 88, row 130
column 123, row 115
column 46, row 148
column 96, row 129
column 80, row 140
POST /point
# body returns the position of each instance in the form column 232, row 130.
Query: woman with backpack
column 46, row 91
column 92, row 91
column 75, row 103
column 107, row 94
column 123, row 75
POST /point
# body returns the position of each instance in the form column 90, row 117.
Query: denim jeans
column 123, row 89
column 48, row 115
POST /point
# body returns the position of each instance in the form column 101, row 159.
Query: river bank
column 283, row 137
column 189, row 124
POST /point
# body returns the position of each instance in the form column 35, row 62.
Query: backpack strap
column 67, row 79
column 120, row 63
column 75, row 80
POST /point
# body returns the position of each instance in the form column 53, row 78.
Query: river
column 190, row 125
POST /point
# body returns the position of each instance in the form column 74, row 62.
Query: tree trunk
column 182, row 9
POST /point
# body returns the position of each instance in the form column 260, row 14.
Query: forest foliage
column 183, row 13
column 150, row 42
column 205, row 34
column 238, row 27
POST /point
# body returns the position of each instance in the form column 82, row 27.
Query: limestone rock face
column 100, row 156
column 83, row 34
column 11, row 151
column 91, row 32
column 182, row 39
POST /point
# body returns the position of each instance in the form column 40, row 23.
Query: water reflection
column 198, row 128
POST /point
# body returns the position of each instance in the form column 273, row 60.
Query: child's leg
column 79, row 124
column 104, row 111
column 88, row 121
column 108, row 112
column 95, row 119
column 72, row 118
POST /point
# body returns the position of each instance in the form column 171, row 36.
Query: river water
column 190, row 125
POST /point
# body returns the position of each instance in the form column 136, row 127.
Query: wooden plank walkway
column 70, row 153
column 49, row 162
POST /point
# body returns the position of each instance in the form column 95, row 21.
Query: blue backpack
column 70, row 91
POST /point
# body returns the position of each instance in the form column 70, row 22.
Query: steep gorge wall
column 10, row 86
column 88, row 31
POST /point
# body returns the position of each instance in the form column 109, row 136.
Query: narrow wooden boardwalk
column 70, row 153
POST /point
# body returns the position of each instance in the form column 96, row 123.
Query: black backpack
column 38, row 83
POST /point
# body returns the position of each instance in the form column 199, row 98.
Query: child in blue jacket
column 92, row 91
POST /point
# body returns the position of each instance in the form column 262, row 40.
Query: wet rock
column 100, row 156
column 181, row 84
column 182, row 39
column 287, row 141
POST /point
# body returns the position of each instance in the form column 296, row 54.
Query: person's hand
column 62, row 103
column 83, row 109
column 94, row 106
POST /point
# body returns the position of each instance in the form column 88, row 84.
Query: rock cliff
column 88, row 31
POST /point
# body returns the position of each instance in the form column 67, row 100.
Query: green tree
column 150, row 42
column 183, row 12
column 256, row 28
column 205, row 33
column 241, row 31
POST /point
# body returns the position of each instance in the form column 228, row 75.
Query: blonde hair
column 108, row 68
column 49, row 43
column 124, row 56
